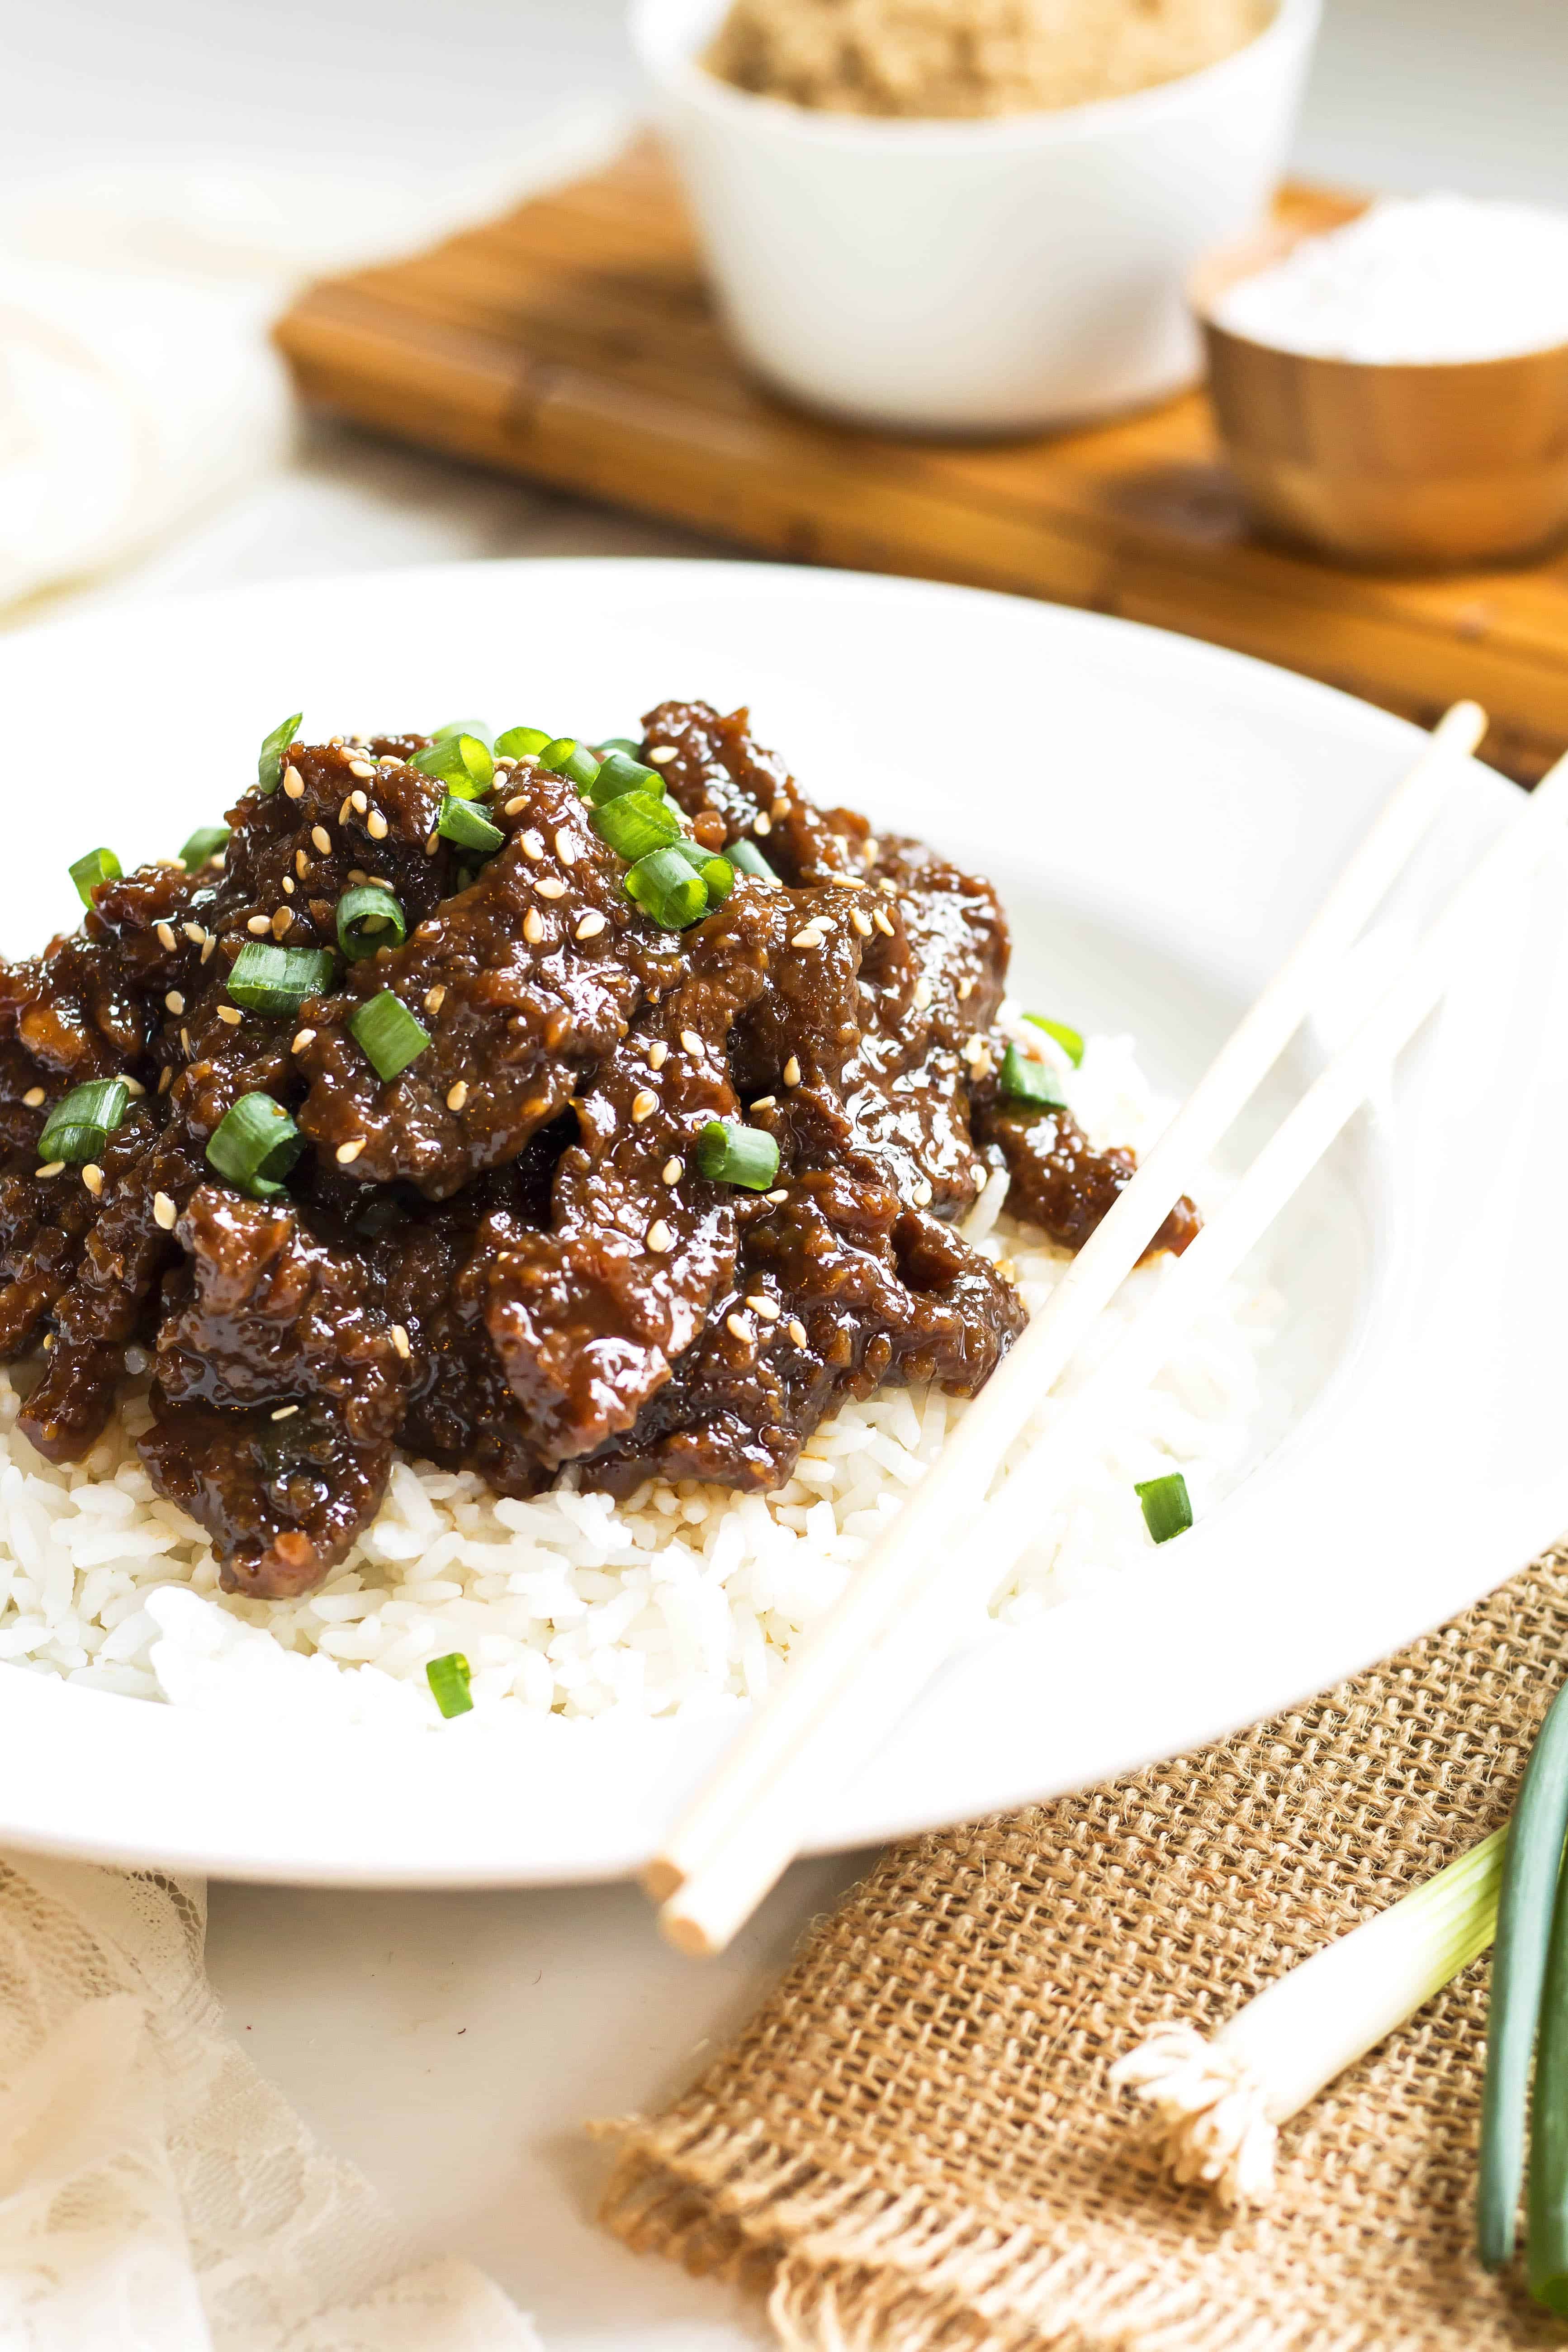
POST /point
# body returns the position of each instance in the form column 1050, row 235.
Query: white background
column 453, row 2045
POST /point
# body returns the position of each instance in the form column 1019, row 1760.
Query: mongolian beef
column 517, row 1106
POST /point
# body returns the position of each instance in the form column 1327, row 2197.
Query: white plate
column 1160, row 818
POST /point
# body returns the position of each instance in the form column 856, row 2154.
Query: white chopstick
column 749, row 1819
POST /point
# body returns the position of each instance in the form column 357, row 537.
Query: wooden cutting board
column 574, row 342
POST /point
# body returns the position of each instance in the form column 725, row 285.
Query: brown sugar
column 971, row 57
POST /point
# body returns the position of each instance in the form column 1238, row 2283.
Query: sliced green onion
column 717, row 877
column 388, row 1034
column 461, row 821
column 1033, row 1083
column 274, row 752
column 620, row 743
column 82, row 1121
column 1167, row 1506
column 265, row 979
column 664, row 887
column 1518, row 1971
column 1071, row 1042
column 566, row 757
column 619, row 774
column 463, row 763
column 98, row 865
column 522, row 743
column 364, row 914
column 254, row 1145
column 635, row 823
column 729, row 1153
column 449, row 1678
column 474, row 727
column 204, row 844
column 745, row 856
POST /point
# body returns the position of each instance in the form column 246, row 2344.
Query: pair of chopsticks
column 870, row 1657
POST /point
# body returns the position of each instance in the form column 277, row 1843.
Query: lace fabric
column 156, row 2193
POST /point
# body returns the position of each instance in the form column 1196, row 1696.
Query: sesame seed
column 764, row 824
column 672, row 1171
column 590, row 926
column 260, row 923
column 923, row 1193
column 767, row 1308
column 849, row 881
column 871, row 850
column 982, row 1177
column 781, row 806
column 966, row 989
column 376, row 825
column 974, row 1047
column 208, row 944
column 734, row 1323
column 691, row 1041
column 922, row 993
column 880, row 919
column 282, row 921
column 664, row 753
column 34, row 1097
column 660, row 1237
column 165, row 1080
column 92, row 1177
column 286, row 1413
column 434, row 998
column 133, row 1087
column 658, row 1053
column 349, row 1152
column 798, row 1332
column 889, row 889
column 533, row 927
column 293, row 783
column 458, row 1096
column 166, row 936
column 782, row 1194
column 230, row 1013
column 862, row 923
column 185, row 1040
column 357, row 802
column 195, row 933
column 401, row 1341
column 303, row 1038
column 809, row 937
column 432, row 844
column 516, row 807
column 288, row 886
column 343, row 813
column 163, row 1212
column 565, row 847
column 533, row 843
column 361, row 768
column 321, row 839
column 792, row 1072
column 549, row 886
column 644, row 1106
column 52, row 1168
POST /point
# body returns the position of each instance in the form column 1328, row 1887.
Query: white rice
column 686, row 1598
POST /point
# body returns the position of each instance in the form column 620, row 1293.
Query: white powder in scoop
column 1419, row 281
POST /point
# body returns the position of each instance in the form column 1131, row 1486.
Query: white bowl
column 973, row 276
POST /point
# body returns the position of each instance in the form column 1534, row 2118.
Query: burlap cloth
column 913, row 2146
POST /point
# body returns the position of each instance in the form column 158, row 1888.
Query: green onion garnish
column 1071, row 1042
column 1029, row 1082
column 566, row 757
column 522, row 742
column 81, row 1123
column 265, row 979
column 98, row 865
column 717, row 875
column 1168, row 1506
column 729, row 1153
column 254, row 1145
column 389, row 1035
column 634, row 823
column 664, row 887
column 448, row 1679
column 273, row 752
column 1518, row 1971
column 474, row 727
column 746, row 855
column 364, row 914
column 461, row 762
column 619, row 774
column 461, row 821
column 620, row 743
column 204, row 844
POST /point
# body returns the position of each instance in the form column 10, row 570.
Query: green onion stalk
column 1220, row 2101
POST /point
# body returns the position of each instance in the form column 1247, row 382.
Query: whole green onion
column 364, row 914
column 265, row 979
column 463, row 763
column 1546, row 2222
column 1033, row 1083
column 98, row 865
column 204, row 844
column 663, row 885
column 1168, row 1506
column 449, row 1678
column 747, row 859
column 82, row 1121
column 729, row 1153
column 566, row 757
column 1524, row 1929
column 619, row 774
column 461, row 821
column 274, row 753
column 635, row 822
column 1070, row 1041
column 254, row 1145
column 522, row 742
column 388, row 1035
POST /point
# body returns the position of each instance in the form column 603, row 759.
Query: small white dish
column 1160, row 818
column 972, row 277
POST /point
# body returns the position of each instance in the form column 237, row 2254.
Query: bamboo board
column 573, row 343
